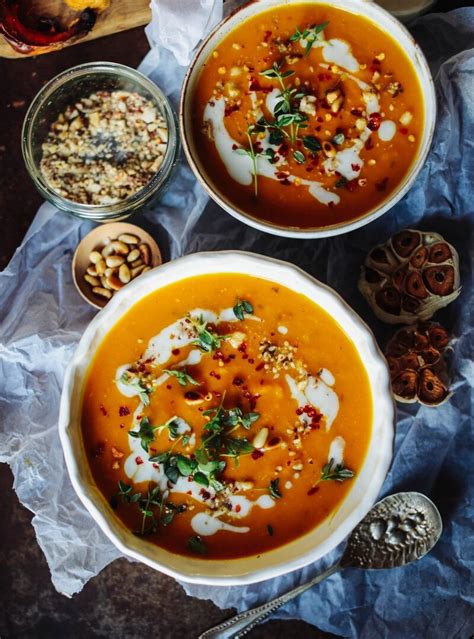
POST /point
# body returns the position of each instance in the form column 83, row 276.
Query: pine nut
column 136, row 271
column 260, row 438
column 133, row 255
column 124, row 274
column 145, row 253
column 136, row 263
column 120, row 248
column 114, row 260
column 93, row 281
column 128, row 238
column 95, row 257
column 100, row 267
column 91, row 270
column 103, row 292
column 107, row 250
column 114, row 282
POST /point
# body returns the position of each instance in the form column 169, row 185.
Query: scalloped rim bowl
column 375, row 14
column 305, row 549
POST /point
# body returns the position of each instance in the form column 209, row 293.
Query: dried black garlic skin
column 417, row 364
column 410, row 277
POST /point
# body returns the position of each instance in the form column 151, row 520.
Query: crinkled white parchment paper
column 42, row 318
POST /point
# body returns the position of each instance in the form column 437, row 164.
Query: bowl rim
column 429, row 103
column 199, row 570
column 108, row 229
column 100, row 212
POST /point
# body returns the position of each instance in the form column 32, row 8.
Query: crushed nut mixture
column 104, row 148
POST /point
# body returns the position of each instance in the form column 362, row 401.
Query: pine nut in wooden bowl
column 109, row 257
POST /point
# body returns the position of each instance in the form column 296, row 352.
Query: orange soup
column 307, row 116
column 225, row 415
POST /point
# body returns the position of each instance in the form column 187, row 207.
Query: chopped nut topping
column 105, row 148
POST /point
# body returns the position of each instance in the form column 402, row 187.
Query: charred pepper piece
column 41, row 34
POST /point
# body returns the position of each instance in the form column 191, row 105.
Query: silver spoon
column 396, row 531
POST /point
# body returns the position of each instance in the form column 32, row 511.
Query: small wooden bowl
column 95, row 241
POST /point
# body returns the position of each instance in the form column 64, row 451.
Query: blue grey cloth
column 42, row 318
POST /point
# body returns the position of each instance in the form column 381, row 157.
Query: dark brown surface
column 125, row 599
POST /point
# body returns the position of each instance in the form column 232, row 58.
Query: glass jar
column 65, row 90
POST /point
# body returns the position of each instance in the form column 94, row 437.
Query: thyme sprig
column 309, row 35
column 284, row 112
column 129, row 379
column 274, row 489
column 217, row 440
column 241, row 308
column 182, row 376
column 254, row 154
column 146, row 432
column 207, row 340
column 152, row 505
column 334, row 472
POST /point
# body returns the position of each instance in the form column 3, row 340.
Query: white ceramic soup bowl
column 386, row 22
column 300, row 552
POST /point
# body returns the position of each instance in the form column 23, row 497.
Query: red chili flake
column 138, row 461
column 103, row 410
column 189, row 492
column 251, row 360
column 238, row 508
column 260, row 366
column 218, row 355
column 285, row 182
column 369, row 144
column 382, row 184
column 374, row 122
column 168, row 386
column 351, row 185
column 176, row 351
column 281, row 175
column 403, row 130
column 122, row 425
column 256, row 86
column 299, row 411
column 274, row 441
column 356, row 112
column 237, row 381
column 253, row 401
column 313, row 490
column 376, row 62
column 205, row 494
column 99, row 449
column 245, row 356
column 257, row 454
column 355, row 167
column 266, row 36
column 155, row 465
column 123, row 411
column 324, row 76
column 242, row 347
column 283, row 149
column 142, row 368
column 214, row 374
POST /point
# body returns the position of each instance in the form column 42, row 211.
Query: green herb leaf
column 273, row 489
column 242, row 307
column 134, row 382
column 299, row 157
column 312, row 143
column 196, row 545
column 185, row 465
column 182, row 376
column 145, row 433
column 336, row 472
column 339, row 138
column 206, row 340
column 200, row 478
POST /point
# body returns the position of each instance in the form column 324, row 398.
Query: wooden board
column 120, row 16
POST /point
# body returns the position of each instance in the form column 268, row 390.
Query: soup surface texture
column 307, row 116
column 225, row 415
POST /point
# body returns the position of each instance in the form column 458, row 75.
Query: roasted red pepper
column 42, row 34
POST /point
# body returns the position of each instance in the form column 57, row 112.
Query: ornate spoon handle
column 241, row 624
